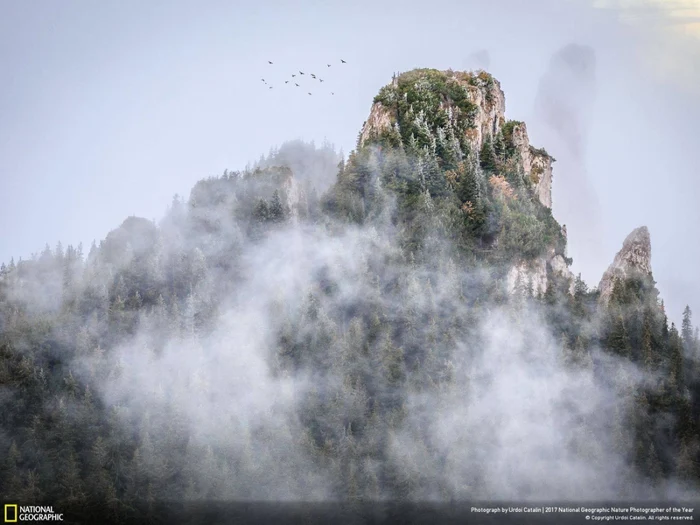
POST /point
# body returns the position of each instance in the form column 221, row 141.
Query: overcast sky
column 107, row 109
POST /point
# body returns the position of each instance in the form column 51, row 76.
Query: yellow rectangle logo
column 10, row 513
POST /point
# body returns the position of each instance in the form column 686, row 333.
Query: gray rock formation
column 560, row 267
column 379, row 121
column 530, row 274
column 534, row 273
column 536, row 163
column 633, row 258
column 485, row 92
column 490, row 117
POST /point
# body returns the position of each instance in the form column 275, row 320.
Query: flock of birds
column 296, row 77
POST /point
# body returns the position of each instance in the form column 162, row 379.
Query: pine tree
column 687, row 463
column 276, row 209
column 618, row 338
column 470, row 196
column 647, row 348
column 653, row 465
column 71, row 482
column 621, row 432
column 580, row 292
column 687, row 329
column 189, row 316
column 11, row 481
column 499, row 147
column 261, row 212
column 99, row 473
column 175, row 323
column 565, row 346
column 487, row 156
column 31, row 489
column 676, row 378
column 520, row 291
column 392, row 362
column 664, row 326
column 645, row 459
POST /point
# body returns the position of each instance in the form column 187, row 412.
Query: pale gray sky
column 107, row 109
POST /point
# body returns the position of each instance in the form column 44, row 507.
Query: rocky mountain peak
column 475, row 94
column 467, row 105
column 633, row 258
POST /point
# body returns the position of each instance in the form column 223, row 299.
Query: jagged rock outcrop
column 282, row 179
column 534, row 274
column 536, row 164
column 560, row 268
column 633, row 259
column 480, row 89
column 490, row 101
column 485, row 115
column 379, row 121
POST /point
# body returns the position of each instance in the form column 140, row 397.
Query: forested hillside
column 410, row 331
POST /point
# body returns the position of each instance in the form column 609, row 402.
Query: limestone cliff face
column 491, row 108
column 533, row 274
column 486, row 121
column 536, row 164
column 296, row 197
column 537, row 168
column 633, row 258
column 282, row 178
column 559, row 267
column 379, row 121
column 480, row 89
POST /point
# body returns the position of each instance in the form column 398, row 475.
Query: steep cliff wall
column 536, row 164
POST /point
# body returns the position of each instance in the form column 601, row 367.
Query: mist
column 314, row 358
column 88, row 137
column 479, row 399
column 564, row 105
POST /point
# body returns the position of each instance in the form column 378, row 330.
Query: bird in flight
column 262, row 79
column 270, row 87
column 301, row 72
column 269, row 62
column 332, row 93
column 320, row 80
column 297, row 85
column 309, row 93
column 313, row 76
column 286, row 81
column 328, row 65
column 293, row 76
column 343, row 61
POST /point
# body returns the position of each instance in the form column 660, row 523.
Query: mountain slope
column 414, row 333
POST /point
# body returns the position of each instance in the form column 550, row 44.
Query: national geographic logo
column 15, row 513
